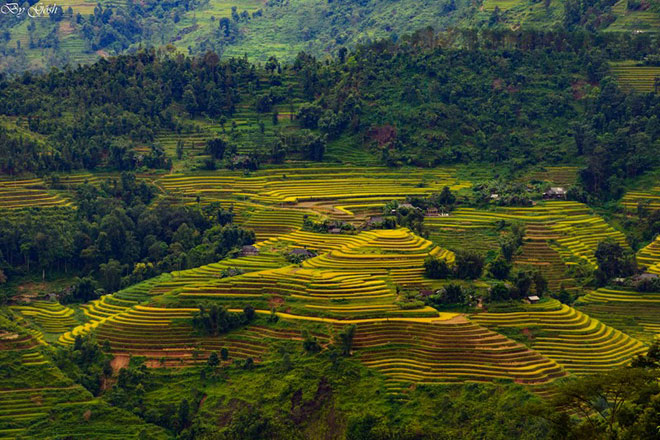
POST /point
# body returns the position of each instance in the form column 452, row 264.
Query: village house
column 248, row 251
column 555, row 192
column 302, row 253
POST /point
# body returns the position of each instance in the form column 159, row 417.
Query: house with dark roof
column 301, row 253
column 555, row 192
column 249, row 250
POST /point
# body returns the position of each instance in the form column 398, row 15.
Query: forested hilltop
column 511, row 98
column 82, row 31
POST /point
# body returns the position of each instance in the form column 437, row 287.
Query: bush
column 436, row 268
column 213, row 360
column 469, row 265
column 499, row 268
column 522, row 281
column 308, row 115
column 216, row 320
column 500, row 292
column 453, row 294
column 310, row 343
column 613, row 261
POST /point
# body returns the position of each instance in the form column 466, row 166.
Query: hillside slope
column 82, row 31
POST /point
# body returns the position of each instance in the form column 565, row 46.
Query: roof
column 533, row 298
column 300, row 251
column 558, row 190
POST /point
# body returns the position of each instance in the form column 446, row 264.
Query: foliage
column 620, row 403
column 346, row 339
column 83, row 290
column 469, row 265
column 310, row 342
column 451, row 294
column 500, row 292
column 213, row 320
column 499, row 268
column 613, row 261
column 85, row 363
column 436, row 268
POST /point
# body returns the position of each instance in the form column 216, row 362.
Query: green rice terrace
column 307, row 286
column 636, row 76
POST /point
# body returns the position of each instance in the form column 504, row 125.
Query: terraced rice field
column 86, row 7
column 349, row 278
column 651, row 199
column 268, row 223
column 362, row 278
column 24, row 193
column 99, row 310
column 574, row 340
column 34, row 386
column 620, row 295
column 633, row 312
column 214, row 271
column 166, row 338
column 570, row 228
column 503, row 5
column 649, row 256
column 538, row 254
column 449, row 351
column 299, row 185
column 638, row 20
column 395, row 253
column 633, row 77
column 49, row 316
column 560, row 176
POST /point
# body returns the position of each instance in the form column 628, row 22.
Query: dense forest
column 509, row 99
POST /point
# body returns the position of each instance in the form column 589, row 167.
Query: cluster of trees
column 326, row 225
column 114, row 28
column 213, row 320
column 86, row 363
column 614, row 261
column 468, row 265
column 618, row 136
column 618, row 404
column 126, row 101
column 404, row 214
column 452, row 294
column 445, row 200
column 129, row 392
column 503, row 193
column 117, row 237
column 519, row 286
